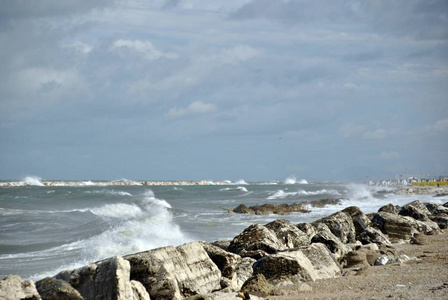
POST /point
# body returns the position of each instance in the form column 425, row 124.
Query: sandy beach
column 425, row 276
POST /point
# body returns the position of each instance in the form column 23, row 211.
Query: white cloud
column 377, row 134
column 439, row 126
column 195, row 108
column 389, row 155
column 79, row 47
column 144, row 49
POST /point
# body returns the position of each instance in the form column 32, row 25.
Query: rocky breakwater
column 259, row 262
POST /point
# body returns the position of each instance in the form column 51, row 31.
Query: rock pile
column 260, row 261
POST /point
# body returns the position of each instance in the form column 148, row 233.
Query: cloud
column 78, row 47
column 438, row 127
column 195, row 108
column 387, row 155
column 144, row 49
column 349, row 130
column 377, row 134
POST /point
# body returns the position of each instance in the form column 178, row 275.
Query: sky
column 328, row 90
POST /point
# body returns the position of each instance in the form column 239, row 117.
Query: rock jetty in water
column 259, row 262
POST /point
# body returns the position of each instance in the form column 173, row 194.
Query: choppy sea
column 46, row 229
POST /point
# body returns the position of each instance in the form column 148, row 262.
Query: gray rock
column 326, row 237
column 255, row 241
column 322, row 260
column 341, row 225
column 360, row 220
column 54, row 289
column 308, row 229
column 288, row 233
column 257, row 285
column 108, row 279
column 415, row 210
column 441, row 219
column 175, row 273
column 362, row 256
column 373, row 235
column 290, row 265
column 390, row 208
column 13, row 287
column 395, row 226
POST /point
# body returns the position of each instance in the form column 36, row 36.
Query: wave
column 293, row 180
column 119, row 210
column 32, row 180
column 239, row 188
column 281, row 194
column 109, row 192
column 241, row 182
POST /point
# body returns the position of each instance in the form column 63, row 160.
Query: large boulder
column 55, row 289
column 175, row 273
column 390, row 208
column 415, row 210
column 308, row 229
column 395, row 226
column 13, row 287
column 288, row 234
column 108, row 279
column 360, row 220
column 234, row 269
column 288, row 265
column 323, row 262
column 332, row 242
column 255, row 241
column 341, row 225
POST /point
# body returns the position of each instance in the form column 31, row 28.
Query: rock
column 362, row 256
column 289, row 265
column 108, row 279
column 255, row 241
column 257, row 285
column 224, row 245
column 360, row 220
column 54, row 289
column 324, row 202
column 243, row 209
column 308, row 229
column 395, row 226
column 175, row 273
column 288, row 234
column 233, row 268
column 389, row 251
column 373, row 235
column 415, row 210
column 381, row 261
column 290, row 289
column 13, row 287
column 269, row 208
column 322, row 260
column 326, row 237
column 390, row 208
column 441, row 219
column 341, row 225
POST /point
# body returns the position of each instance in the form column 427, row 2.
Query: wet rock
column 54, row 289
column 13, row 287
column 324, row 202
column 268, row 208
column 175, row 273
column 288, row 234
column 341, row 225
column 108, row 279
column 255, row 241
column 243, row 209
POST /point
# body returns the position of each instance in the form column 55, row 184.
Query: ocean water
column 46, row 229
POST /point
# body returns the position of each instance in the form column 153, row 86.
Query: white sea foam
column 119, row 210
column 109, row 192
column 239, row 188
column 293, row 180
column 32, row 180
column 88, row 183
column 240, row 182
column 281, row 194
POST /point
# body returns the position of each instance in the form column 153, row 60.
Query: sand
column 424, row 277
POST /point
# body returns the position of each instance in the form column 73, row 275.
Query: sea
column 47, row 229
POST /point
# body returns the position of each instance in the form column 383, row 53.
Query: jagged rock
column 243, row 209
column 326, row 237
column 269, row 208
column 224, row 245
column 360, row 220
column 441, row 219
column 13, row 287
column 341, row 225
column 108, row 279
column 308, row 229
column 415, row 210
column 324, row 202
column 55, row 289
column 288, row 234
column 395, row 226
column 255, row 241
column 257, row 285
column 322, row 260
column 175, row 273
column 390, row 208
column 234, row 269
column 373, row 235
column 290, row 265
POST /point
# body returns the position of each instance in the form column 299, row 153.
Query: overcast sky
column 223, row 89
